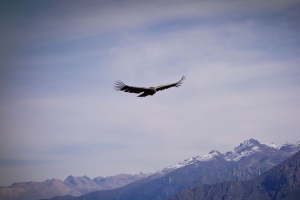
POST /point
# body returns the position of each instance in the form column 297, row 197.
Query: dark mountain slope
column 281, row 182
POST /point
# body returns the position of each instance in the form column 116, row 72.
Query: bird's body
column 120, row 86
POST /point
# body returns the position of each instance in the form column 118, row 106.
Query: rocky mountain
column 281, row 182
column 247, row 161
column 74, row 186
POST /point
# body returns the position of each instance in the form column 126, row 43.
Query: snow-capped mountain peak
column 247, row 144
column 245, row 149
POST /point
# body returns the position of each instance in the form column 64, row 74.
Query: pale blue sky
column 59, row 61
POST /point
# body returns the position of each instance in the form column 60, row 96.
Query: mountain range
column 74, row 186
column 247, row 161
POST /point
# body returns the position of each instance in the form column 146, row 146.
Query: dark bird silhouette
column 120, row 86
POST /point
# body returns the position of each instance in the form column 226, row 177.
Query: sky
column 59, row 60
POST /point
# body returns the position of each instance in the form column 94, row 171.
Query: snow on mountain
column 246, row 149
column 211, row 156
column 271, row 144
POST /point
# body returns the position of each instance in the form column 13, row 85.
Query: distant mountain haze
column 74, row 186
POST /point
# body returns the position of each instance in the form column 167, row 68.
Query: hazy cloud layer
column 59, row 60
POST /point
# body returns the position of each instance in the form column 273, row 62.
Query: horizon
column 60, row 59
column 150, row 173
column 166, row 166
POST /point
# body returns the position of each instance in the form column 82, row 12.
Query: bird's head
column 153, row 88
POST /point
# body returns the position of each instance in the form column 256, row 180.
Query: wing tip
column 119, row 85
column 179, row 83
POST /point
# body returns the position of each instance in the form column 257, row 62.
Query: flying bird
column 120, row 86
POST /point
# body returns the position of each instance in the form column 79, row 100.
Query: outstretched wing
column 177, row 84
column 120, row 86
